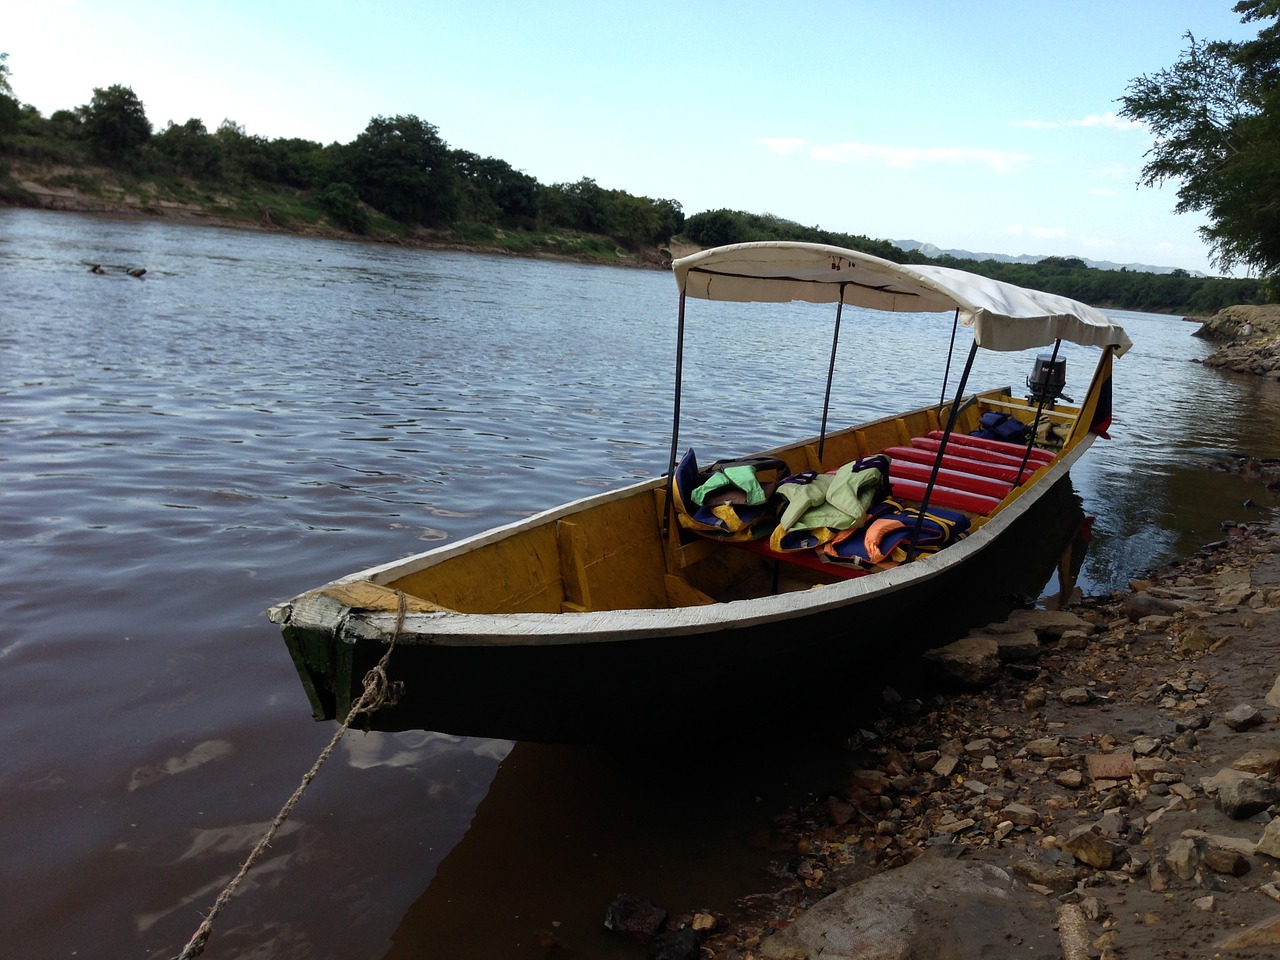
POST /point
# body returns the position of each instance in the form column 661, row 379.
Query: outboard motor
column 1047, row 380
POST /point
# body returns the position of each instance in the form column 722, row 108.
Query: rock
column 1194, row 640
column 979, row 747
column 1242, row 717
column 1203, row 903
column 1047, row 624
column 1269, row 844
column 1036, row 866
column 1021, row 815
column 1182, row 858
column 1071, row 779
column 1264, row 934
column 1018, row 645
column 1075, row 696
column 1221, row 860
column 1073, row 932
column 1246, row 848
column 1139, row 605
column 1195, row 720
column 1035, row 698
column 1149, row 769
column 840, row 811
column 1113, row 824
column 1145, row 746
column 1091, row 849
column 1273, row 698
column 1045, row 747
column 934, row 906
column 968, row 662
column 634, row 917
column 945, row 766
column 1109, row 766
column 685, row 945
column 1261, row 761
column 1225, row 776
column 1241, row 799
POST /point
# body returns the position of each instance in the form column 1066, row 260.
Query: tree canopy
column 115, row 122
column 1215, row 117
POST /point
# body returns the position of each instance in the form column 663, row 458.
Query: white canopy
column 1003, row 316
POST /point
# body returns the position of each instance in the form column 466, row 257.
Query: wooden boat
column 608, row 618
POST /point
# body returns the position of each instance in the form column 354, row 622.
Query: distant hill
column 930, row 250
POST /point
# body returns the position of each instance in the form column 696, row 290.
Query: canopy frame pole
column 1035, row 423
column 831, row 373
column 942, row 449
column 946, row 374
column 675, row 422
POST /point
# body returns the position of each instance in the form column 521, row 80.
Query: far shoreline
column 71, row 201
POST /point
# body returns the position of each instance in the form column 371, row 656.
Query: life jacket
column 729, row 500
column 817, row 506
column 890, row 526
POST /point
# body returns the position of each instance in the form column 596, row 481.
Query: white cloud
column 783, row 146
column 912, row 157
column 1106, row 121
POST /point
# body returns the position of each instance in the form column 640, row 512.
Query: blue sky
column 987, row 125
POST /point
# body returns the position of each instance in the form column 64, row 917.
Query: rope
column 377, row 692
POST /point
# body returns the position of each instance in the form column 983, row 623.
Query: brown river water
column 260, row 414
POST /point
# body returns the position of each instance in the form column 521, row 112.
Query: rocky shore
column 1097, row 782
column 1249, row 338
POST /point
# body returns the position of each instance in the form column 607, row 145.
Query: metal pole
column 675, row 421
column 946, row 375
column 831, row 372
column 942, row 449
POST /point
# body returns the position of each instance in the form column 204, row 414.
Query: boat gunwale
column 455, row 628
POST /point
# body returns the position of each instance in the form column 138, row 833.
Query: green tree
column 115, row 123
column 578, row 206
column 10, row 110
column 401, row 166
column 495, row 191
column 244, row 155
column 66, row 124
column 342, row 204
column 190, row 148
column 1215, row 117
column 304, row 164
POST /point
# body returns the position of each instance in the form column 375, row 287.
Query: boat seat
column 1017, row 450
column 979, row 468
column 964, row 500
column 947, row 477
column 974, row 453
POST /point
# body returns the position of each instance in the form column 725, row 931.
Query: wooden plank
column 680, row 593
column 573, row 571
column 1023, row 408
column 363, row 595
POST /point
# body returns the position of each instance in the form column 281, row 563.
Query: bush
column 341, row 202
